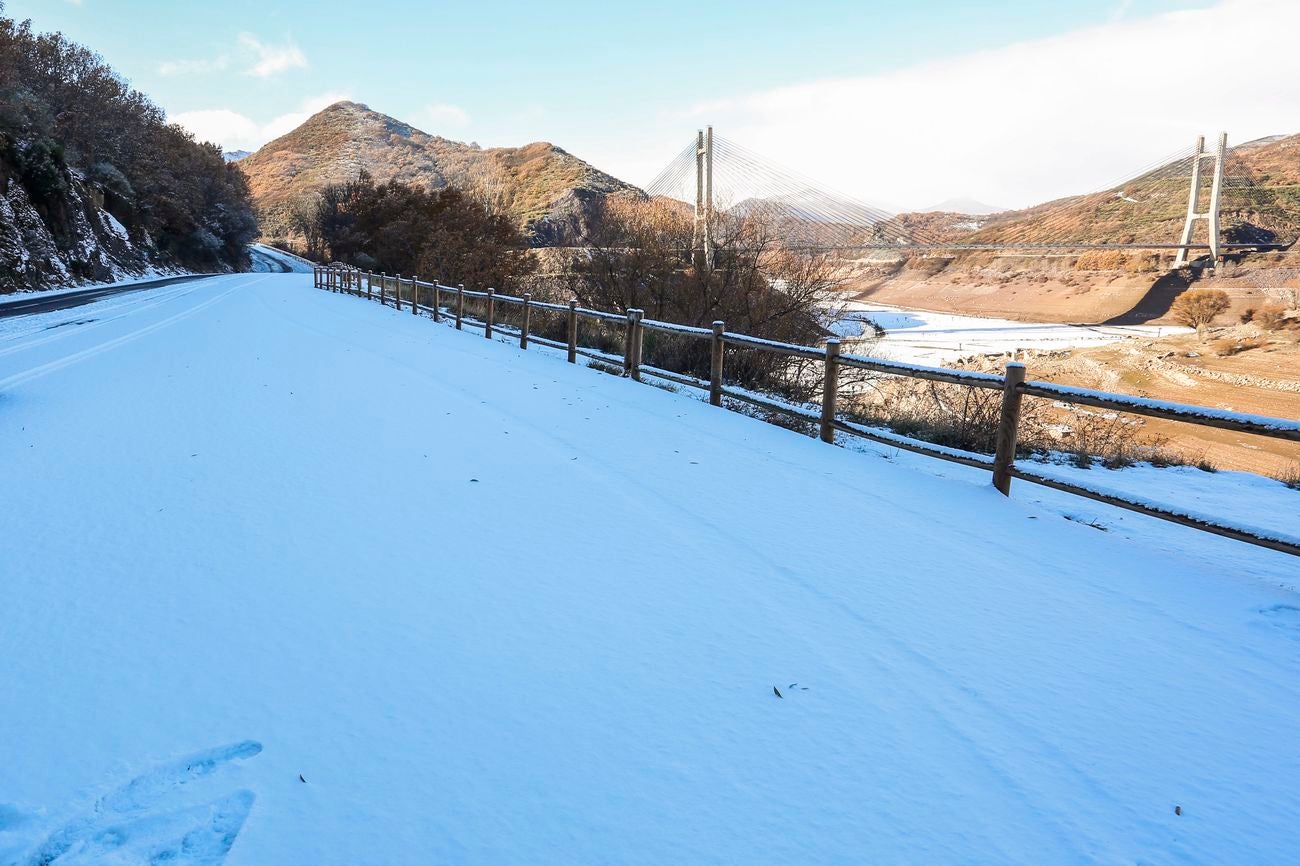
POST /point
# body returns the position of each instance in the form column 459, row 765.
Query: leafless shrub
column 1229, row 346
column 1274, row 318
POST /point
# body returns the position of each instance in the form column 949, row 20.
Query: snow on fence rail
column 1012, row 385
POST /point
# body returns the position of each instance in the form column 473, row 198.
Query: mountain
column 1260, row 204
column 549, row 192
column 236, row 155
column 967, row 206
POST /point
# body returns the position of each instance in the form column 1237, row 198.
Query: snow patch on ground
column 920, row 336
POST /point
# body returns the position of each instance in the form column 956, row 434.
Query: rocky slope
column 548, row 191
column 95, row 185
column 78, row 241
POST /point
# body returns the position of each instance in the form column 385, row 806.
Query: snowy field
column 923, row 337
column 290, row 577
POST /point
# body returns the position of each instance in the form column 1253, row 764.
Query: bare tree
column 1199, row 307
column 638, row 253
column 305, row 217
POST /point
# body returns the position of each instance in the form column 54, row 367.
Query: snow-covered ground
column 271, row 260
column 147, row 276
column 314, row 581
column 920, row 336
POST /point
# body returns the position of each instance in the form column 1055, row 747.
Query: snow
column 270, row 259
column 303, row 577
column 1244, row 500
column 926, row 337
column 147, row 275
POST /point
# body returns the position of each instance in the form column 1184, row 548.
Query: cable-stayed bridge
column 1196, row 199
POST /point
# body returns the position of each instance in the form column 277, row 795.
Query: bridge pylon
column 702, row 241
column 1194, row 212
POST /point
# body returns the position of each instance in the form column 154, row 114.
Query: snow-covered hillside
column 290, row 577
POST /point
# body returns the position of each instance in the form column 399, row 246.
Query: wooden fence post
column 628, row 328
column 383, row 289
column 491, row 306
column 638, row 344
column 397, row 292
column 523, row 332
column 437, row 300
column 715, row 364
column 415, row 295
column 370, row 285
column 460, row 304
column 830, row 390
column 573, row 331
column 1008, row 428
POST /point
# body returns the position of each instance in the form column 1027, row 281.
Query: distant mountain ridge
column 550, row 193
column 968, row 206
column 1260, row 204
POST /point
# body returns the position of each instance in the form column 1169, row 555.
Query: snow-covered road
column 314, row 581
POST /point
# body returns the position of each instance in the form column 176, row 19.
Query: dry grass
column 1290, row 476
column 1226, row 347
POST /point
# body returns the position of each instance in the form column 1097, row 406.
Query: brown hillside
column 548, row 191
column 1261, row 203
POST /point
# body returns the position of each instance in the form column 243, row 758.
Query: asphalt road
column 65, row 300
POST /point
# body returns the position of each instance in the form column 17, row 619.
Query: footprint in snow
column 158, row 817
column 1285, row 617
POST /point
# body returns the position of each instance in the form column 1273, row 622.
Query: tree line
column 66, row 117
column 399, row 228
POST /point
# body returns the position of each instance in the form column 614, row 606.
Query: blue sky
column 622, row 85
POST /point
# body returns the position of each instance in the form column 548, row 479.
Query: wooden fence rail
column 1012, row 385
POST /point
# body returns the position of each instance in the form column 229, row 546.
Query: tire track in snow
column 939, row 695
column 62, row 330
column 1068, row 834
column 98, row 349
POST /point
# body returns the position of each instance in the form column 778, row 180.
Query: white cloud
column 234, row 131
column 1030, row 121
column 439, row 116
column 254, row 57
column 271, row 60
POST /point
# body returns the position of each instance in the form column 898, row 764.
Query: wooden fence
column 449, row 302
